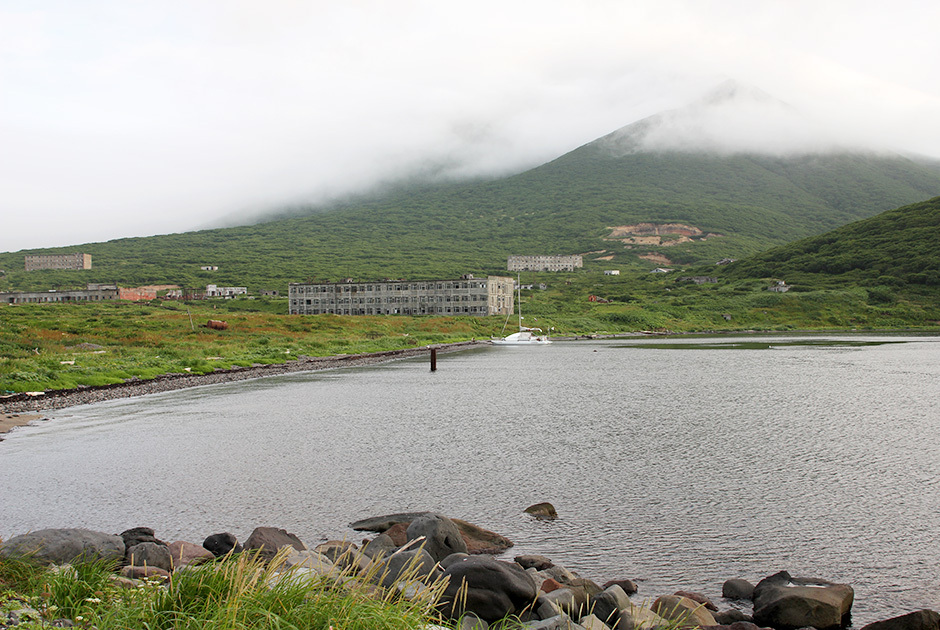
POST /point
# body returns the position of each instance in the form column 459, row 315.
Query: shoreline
column 14, row 408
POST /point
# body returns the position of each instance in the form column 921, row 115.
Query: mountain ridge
column 748, row 202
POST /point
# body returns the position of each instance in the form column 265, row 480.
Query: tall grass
column 240, row 592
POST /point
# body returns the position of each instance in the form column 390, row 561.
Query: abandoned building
column 478, row 297
column 34, row 262
column 544, row 263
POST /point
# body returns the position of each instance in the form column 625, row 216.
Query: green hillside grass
column 895, row 249
column 565, row 206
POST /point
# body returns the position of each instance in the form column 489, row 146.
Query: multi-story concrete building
column 544, row 263
column 468, row 296
column 95, row 292
column 57, row 261
column 77, row 295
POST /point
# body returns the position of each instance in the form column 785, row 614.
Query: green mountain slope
column 894, row 248
column 622, row 200
column 565, row 206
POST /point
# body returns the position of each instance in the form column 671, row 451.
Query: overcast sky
column 131, row 118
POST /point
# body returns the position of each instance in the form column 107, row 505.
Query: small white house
column 209, row 268
column 611, row 272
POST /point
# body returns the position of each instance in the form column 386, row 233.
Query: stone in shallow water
column 919, row 620
column 542, row 511
column 787, row 603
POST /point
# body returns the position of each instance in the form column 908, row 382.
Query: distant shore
column 20, row 409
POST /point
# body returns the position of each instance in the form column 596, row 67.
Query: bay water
column 676, row 462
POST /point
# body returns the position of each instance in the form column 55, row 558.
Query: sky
column 137, row 117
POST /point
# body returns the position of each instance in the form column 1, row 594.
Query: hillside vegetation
column 569, row 205
column 897, row 248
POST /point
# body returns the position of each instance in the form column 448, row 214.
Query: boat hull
column 522, row 339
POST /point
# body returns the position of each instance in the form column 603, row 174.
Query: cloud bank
column 125, row 119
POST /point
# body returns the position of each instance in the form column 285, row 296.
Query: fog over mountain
column 123, row 119
column 732, row 118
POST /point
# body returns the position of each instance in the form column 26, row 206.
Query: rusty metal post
column 433, row 359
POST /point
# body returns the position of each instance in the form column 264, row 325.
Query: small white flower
column 79, row 618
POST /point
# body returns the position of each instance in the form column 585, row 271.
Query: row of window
column 430, row 310
column 60, row 298
column 423, row 299
column 355, row 288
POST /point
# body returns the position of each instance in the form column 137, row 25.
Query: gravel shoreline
column 59, row 399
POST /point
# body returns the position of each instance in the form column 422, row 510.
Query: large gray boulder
column 65, row 546
column 486, row 587
column 381, row 523
column 381, row 545
column 440, row 535
column 919, row 620
column 787, row 603
column 137, row 535
column 184, row 554
column 408, row 566
column 149, row 554
column 481, row 540
column 737, row 589
column 608, row 604
column 267, row 540
column 477, row 539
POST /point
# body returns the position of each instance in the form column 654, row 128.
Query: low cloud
column 125, row 119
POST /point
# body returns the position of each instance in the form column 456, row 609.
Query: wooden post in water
column 433, row 359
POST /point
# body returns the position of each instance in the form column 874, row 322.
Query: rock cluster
column 414, row 552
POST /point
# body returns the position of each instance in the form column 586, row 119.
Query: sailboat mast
column 519, row 296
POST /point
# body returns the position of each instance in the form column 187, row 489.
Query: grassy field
column 61, row 346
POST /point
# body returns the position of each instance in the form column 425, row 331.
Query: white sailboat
column 525, row 336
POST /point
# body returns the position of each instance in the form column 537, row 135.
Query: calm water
column 678, row 462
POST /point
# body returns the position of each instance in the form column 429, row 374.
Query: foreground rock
column 685, row 612
column 737, row 589
column 920, row 620
column 438, row 534
column 268, row 540
column 479, row 589
column 149, row 554
column 494, row 589
column 137, row 535
column 184, row 554
column 784, row 602
column 221, row 544
column 64, row 546
column 476, row 539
